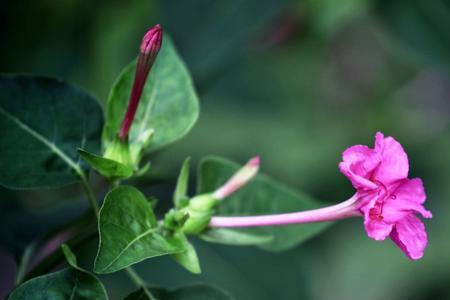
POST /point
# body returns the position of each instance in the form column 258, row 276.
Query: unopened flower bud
column 239, row 179
column 151, row 43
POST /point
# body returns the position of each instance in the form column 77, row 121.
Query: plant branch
column 139, row 282
column 89, row 193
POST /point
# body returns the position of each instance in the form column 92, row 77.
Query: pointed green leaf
column 44, row 120
column 108, row 168
column 169, row 104
column 129, row 232
column 180, row 193
column 262, row 195
column 188, row 258
column 70, row 283
column 70, row 257
column 190, row 292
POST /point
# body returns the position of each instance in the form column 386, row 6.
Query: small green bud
column 200, row 211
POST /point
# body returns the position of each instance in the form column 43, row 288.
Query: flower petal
column 377, row 229
column 394, row 161
column 411, row 190
column 406, row 199
column 410, row 236
column 358, row 164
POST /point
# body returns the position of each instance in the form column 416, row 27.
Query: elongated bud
column 151, row 43
column 241, row 178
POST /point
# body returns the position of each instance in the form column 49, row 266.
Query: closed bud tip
column 151, row 43
column 239, row 179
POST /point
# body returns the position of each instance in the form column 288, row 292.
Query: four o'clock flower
column 385, row 197
column 151, row 43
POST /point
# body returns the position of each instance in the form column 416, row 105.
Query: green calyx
column 200, row 209
column 119, row 151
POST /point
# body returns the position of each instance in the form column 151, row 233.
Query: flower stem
column 342, row 210
column 139, row 282
column 89, row 193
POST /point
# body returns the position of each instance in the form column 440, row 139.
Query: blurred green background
column 294, row 81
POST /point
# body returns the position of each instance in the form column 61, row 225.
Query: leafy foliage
column 129, row 232
column 44, row 120
column 69, row 283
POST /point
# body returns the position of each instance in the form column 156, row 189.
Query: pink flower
column 385, row 197
column 389, row 200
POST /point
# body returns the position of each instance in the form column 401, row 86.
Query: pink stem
column 342, row 210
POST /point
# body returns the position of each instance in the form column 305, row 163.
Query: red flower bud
column 151, row 43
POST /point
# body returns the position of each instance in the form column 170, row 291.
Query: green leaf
column 190, row 292
column 180, row 193
column 188, row 258
column 44, row 120
column 108, row 168
column 169, row 104
column 70, row 283
column 262, row 195
column 70, row 257
column 129, row 232
column 234, row 237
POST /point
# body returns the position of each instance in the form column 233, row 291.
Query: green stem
column 139, row 282
column 89, row 193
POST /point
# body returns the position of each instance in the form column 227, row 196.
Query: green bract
column 168, row 106
column 44, row 120
column 261, row 196
column 106, row 167
column 129, row 232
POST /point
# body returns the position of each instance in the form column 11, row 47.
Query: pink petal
column 406, row 199
column 377, row 229
column 394, row 161
column 358, row 164
column 410, row 236
column 411, row 190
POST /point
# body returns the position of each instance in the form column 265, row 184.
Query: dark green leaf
column 188, row 258
column 129, row 232
column 106, row 167
column 191, row 292
column 70, row 283
column 263, row 195
column 168, row 105
column 180, row 193
column 44, row 120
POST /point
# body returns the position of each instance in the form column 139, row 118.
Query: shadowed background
column 293, row 81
